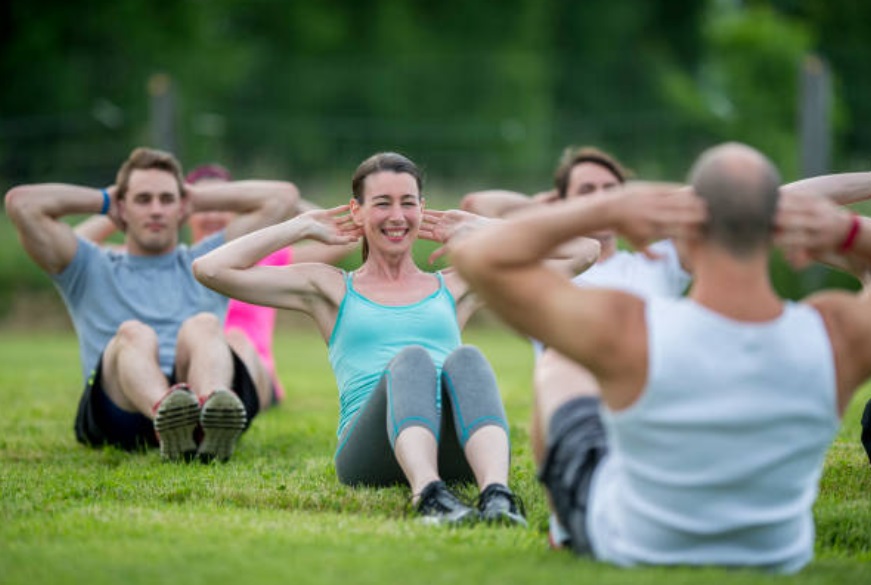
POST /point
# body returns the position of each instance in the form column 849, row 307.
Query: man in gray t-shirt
column 157, row 367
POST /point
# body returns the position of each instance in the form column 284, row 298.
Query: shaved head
column 740, row 187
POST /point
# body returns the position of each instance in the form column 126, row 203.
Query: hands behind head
column 655, row 211
column 114, row 212
column 444, row 226
column 331, row 226
column 810, row 227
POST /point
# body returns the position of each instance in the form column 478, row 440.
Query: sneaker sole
column 505, row 519
column 175, row 421
column 465, row 520
column 223, row 419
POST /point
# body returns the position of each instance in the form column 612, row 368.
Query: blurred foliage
column 482, row 94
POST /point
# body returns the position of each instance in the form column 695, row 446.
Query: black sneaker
column 499, row 505
column 438, row 505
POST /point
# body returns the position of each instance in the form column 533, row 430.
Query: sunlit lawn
column 276, row 513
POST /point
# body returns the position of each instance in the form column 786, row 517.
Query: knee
column 240, row 342
column 201, row 324
column 414, row 357
column 134, row 333
column 466, row 356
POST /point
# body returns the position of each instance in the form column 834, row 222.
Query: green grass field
column 276, row 513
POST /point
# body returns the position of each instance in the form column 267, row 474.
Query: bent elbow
column 287, row 201
column 204, row 272
column 469, row 202
column 470, row 264
column 15, row 203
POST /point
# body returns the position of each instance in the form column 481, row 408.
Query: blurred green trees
column 479, row 92
column 482, row 94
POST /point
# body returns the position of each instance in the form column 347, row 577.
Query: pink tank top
column 258, row 322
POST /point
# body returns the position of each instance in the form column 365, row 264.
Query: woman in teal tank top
column 416, row 406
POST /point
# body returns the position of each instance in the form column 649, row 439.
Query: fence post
column 815, row 117
column 815, row 135
column 162, row 113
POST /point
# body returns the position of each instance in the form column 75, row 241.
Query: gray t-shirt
column 103, row 288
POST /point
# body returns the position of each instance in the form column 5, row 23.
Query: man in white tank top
column 702, row 436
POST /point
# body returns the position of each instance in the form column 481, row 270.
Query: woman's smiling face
column 391, row 211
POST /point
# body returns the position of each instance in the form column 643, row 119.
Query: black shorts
column 576, row 445
column 99, row 421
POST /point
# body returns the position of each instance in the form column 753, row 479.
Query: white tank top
column 635, row 273
column 718, row 461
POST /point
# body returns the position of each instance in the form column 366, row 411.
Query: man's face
column 152, row 210
column 588, row 178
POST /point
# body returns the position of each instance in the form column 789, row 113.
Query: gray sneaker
column 223, row 419
column 175, row 419
column 437, row 505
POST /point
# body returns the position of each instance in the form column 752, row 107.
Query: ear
column 356, row 211
column 121, row 205
column 186, row 208
column 422, row 203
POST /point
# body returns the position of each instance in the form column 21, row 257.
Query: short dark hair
column 145, row 159
column 573, row 156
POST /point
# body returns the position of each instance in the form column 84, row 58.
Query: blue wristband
column 106, row 202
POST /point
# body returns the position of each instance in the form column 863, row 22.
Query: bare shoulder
column 843, row 312
column 329, row 279
column 466, row 301
column 454, row 282
column 847, row 318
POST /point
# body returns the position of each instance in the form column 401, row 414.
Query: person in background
column 249, row 329
column 158, row 369
column 587, row 172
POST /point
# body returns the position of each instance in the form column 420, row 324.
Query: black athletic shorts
column 576, row 445
column 99, row 421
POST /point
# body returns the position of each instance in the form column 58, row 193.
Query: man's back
column 718, row 460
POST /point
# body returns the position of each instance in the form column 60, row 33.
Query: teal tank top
column 367, row 335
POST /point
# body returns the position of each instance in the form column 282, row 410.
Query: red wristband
column 852, row 234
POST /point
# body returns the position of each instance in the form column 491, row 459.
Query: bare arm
column 97, row 229
column 813, row 228
column 317, row 251
column 504, row 264
column 315, row 289
column 569, row 258
column 35, row 210
column 842, row 188
column 257, row 204
column 323, row 253
column 495, row 202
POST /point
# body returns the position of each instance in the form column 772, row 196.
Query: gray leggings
column 464, row 399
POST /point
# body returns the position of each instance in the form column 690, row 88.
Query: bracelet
column 106, row 202
column 852, row 234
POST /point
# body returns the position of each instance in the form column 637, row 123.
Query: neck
column 133, row 248
column 736, row 288
column 388, row 266
column 609, row 247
